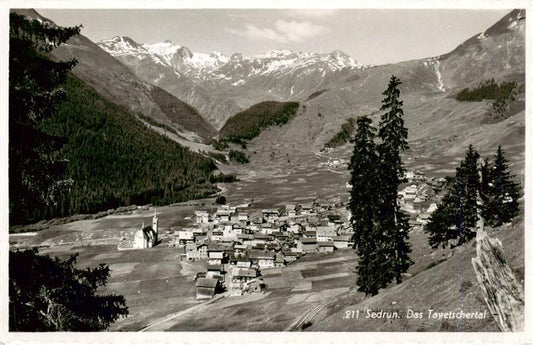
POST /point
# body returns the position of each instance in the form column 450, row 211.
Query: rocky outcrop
column 502, row 292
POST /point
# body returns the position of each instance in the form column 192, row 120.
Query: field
column 292, row 293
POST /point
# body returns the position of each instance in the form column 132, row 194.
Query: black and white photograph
column 283, row 168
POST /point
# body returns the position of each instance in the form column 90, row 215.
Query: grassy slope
column 448, row 286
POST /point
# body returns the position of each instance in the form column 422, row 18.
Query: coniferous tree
column 393, row 135
column 456, row 216
column 35, row 93
column 373, row 271
column 363, row 166
column 500, row 195
column 468, row 186
column 487, row 212
column 444, row 221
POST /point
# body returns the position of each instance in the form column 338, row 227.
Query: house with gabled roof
column 184, row 236
column 241, row 278
column 201, row 217
column 206, row 288
column 325, row 233
column 263, row 259
column 270, row 215
column 196, row 251
column 290, row 256
column 216, row 254
column 290, row 210
column 216, row 272
column 341, row 241
column 308, row 244
column 326, row 247
column 241, row 261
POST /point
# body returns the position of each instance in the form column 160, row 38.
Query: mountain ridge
column 207, row 80
column 118, row 84
column 283, row 75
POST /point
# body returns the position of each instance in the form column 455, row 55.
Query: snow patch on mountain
column 440, row 83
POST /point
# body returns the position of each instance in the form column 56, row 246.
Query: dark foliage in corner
column 49, row 294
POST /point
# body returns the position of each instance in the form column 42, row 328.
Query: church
column 146, row 237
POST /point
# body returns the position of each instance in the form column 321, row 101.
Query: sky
column 370, row 36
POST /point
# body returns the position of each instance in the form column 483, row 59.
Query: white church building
column 146, row 237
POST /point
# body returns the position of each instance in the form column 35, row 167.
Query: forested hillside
column 248, row 123
column 113, row 159
column 344, row 135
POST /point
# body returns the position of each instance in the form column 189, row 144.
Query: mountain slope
column 497, row 52
column 428, row 88
column 112, row 158
column 115, row 160
column 235, row 82
column 115, row 82
column 440, row 127
column 455, row 289
column 152, row 68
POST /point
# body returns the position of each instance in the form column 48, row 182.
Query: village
column 235, row 245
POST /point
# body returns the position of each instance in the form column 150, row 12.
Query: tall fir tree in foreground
column 35, row 93
column 393, row 136
column 468, row 184
column 381, row 229
column 364, row 180
column 499, row 193
column 373, row 271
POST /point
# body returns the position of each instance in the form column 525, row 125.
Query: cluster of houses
column 237, row 244
column 419, row 198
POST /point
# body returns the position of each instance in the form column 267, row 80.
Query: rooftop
column 207, row 282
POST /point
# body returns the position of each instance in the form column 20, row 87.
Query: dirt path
column 180, row 313
column 307, row 317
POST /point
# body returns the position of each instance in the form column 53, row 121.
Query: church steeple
column 155, row 223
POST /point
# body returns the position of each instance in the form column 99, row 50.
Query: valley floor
column 315, row 293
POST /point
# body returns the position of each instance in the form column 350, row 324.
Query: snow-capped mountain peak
column 120, row 45
column 281, row 74
column 342, row 59
column 166, row 48
column 273, row 54
column 215, row 65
